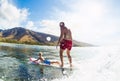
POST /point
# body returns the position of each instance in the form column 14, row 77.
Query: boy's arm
column 37, row 59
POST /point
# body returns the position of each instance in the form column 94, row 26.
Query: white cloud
column 49, row 26
column 90, row 20
column 30, row 24
column 10, row 15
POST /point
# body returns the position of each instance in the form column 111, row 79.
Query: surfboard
column 65, row 70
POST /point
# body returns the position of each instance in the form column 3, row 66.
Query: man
column 65, row 42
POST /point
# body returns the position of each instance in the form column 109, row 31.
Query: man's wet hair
column 62, row 23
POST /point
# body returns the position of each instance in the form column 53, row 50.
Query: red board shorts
column 66, row 44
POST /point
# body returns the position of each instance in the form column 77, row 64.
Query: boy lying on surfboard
column 48, row 62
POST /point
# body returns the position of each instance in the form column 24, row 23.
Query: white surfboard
column 65, row 70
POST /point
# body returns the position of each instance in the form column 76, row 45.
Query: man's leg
column 69, row 57
column 61, row 56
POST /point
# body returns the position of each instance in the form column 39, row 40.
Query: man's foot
column 61, row 65
column 70, row 65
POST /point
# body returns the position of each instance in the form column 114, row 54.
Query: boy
column 41, row 58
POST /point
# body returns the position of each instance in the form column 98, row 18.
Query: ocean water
column 89, row 63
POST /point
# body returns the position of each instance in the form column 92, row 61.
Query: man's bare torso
column 67, row 34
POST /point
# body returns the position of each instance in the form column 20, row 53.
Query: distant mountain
column 81, row 44
column 22, row 35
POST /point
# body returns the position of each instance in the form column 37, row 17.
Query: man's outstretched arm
column 60, row 38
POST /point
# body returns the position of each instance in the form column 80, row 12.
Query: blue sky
column 38, row 9
column 92, row 21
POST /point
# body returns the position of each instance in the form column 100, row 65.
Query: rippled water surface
column 89, row 63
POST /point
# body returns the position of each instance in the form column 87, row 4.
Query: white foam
column 102, row 67
column 1, row 80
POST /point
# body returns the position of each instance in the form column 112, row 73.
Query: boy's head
column 40, row 53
